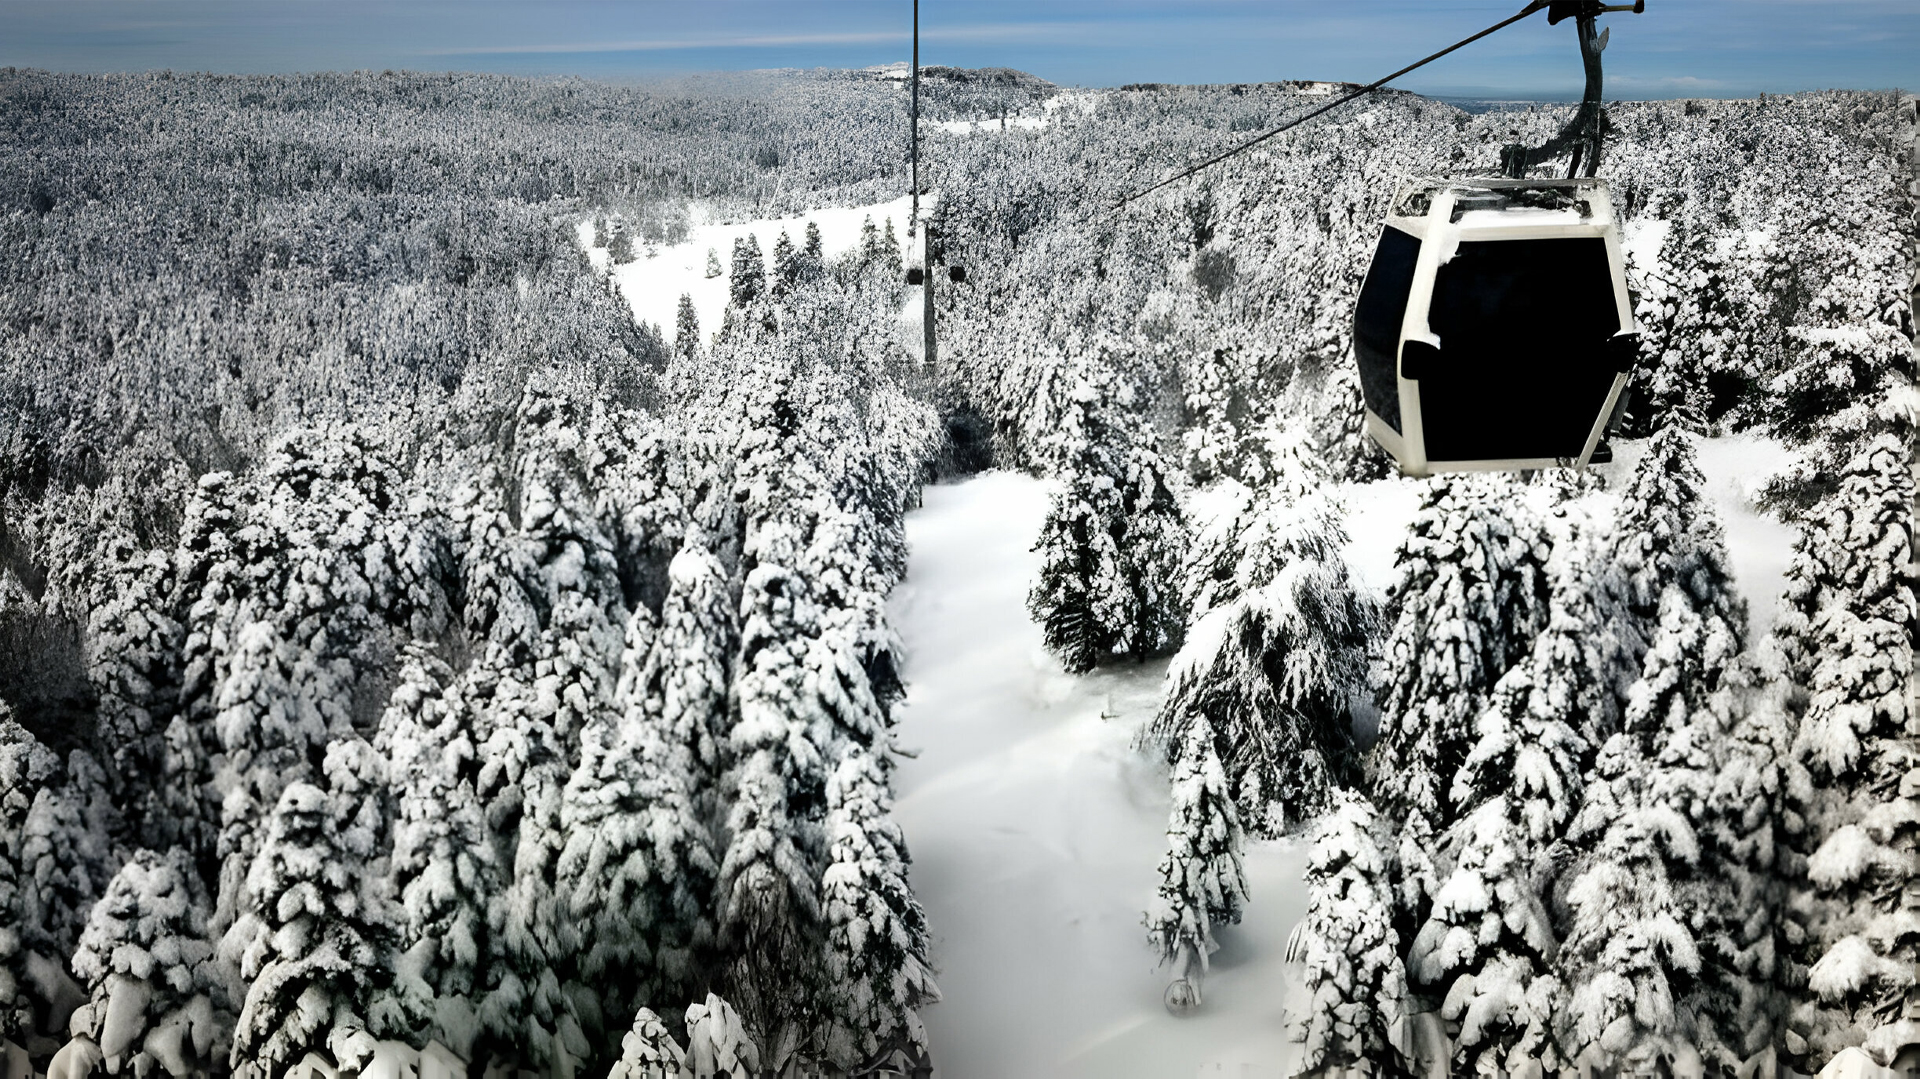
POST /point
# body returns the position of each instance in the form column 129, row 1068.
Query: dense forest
column 409, row 662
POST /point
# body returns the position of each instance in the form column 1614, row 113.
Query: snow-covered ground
column 1036, row 830
column 1036, row 827
column 654, row 282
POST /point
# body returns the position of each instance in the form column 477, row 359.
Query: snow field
column 1036, row 829
column 654, row 281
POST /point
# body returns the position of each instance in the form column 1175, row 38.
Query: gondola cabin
column 1494, row 330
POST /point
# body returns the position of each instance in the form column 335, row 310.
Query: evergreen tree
column 1652, row 978
column 1112, row 537
column 1273, row 670
column 444, row 864
column 1847, row 636
column 683, row 681
column 713, row 263
column 648, row 1051
column 314, row 929
column 26, row 768
column 877, row 943
column 769, row 902
column 146, row 964
column 1487, row 949
column 1631, row 960
column 747, row 281
column 869, row 247
column 890, row 250
column 1471, row 595
column 1355, row 1021
column 686, row 334
column 718, row 1044
column 638, row 869
column 786, row 267
column 1201, row 880
column 813, row 257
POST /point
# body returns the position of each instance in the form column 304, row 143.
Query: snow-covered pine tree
column 1273, row 670
column 26, row 768
column 132, row 663
column 747, row 281
column 144, row 960
column 444, row 864
column 786, row 267
column 1656, row 533
column 769, row 902
column 1472, row 593
column 714, row 269
column 890, row 250
column 684, row 676
column 1756, row 829
column 638, row 870
column 868, row 250
column 1486, row 951
column 1631, row 960
column 1113, row 537
column 686, row 329
column 718, row 1044
column 1647, row 959
column 1354, row 1021
column 1201, row 881
column 877, row 944
column 314, row 929
column 1847, row 634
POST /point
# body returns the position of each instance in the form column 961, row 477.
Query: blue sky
column 1680, row 48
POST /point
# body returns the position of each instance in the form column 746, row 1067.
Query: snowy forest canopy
column 406, row 656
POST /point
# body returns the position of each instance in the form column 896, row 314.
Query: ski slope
column 1036, row 830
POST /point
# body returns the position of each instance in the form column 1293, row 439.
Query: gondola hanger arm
column 1556, row 10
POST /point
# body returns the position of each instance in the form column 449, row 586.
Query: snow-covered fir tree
column 1651, row 975
column 683, row 679
column 1471, row 594
column 1353, row 1021
column 1201, row 881
column 1486, row 952
column 1847, row 635
column 877, row 942
column 444, row 862
column 146, row 964
column 686, row 329
column 718, row 1044
column 1273, row 668
column 747, row 280
column 314, row 926
column 1113, row 536
column 648, row 1051
column 637, row 871
column 786, row 266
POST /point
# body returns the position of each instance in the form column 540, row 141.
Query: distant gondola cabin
column 1494, row 330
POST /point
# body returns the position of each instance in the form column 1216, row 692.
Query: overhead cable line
column 1536, row 5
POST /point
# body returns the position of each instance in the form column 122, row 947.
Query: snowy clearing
column 654, row 282
column 1036, row 829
